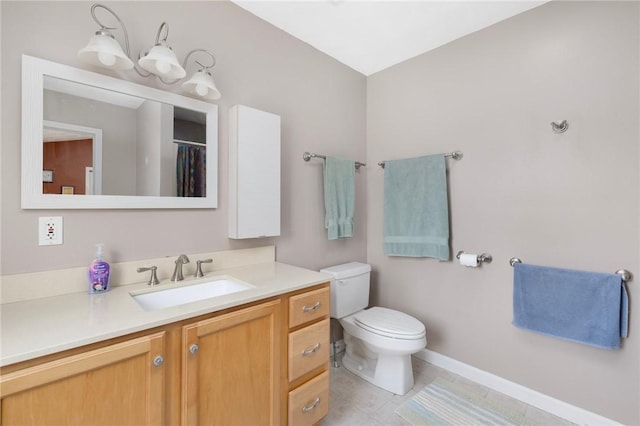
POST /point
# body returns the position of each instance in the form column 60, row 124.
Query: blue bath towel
column 584, row 307
column 416, row 208
column 339, row 196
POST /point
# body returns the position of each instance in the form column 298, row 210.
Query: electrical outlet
column 50, row 231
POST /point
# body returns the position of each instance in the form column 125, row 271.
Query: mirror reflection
column 113, row 144
column 101, row 142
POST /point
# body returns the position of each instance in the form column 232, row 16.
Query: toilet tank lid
column 347, row 270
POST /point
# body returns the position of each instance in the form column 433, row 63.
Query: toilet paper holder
column 482, row 258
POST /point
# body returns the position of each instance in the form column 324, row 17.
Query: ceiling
column 370, row 35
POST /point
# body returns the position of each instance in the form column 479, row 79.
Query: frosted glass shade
column 162, row 62
column 103, row 50
column 201, row 84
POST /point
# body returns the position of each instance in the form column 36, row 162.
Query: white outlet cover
column 50, row 230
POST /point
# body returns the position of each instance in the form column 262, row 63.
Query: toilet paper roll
column 468, row 259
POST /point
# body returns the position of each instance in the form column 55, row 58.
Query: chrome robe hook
column 560, row 127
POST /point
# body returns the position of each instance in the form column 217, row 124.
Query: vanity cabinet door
column 231, row 368
column 120, row 384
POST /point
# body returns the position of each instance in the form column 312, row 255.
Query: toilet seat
column 390, row 323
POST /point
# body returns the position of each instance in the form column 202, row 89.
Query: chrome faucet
column 177, row 272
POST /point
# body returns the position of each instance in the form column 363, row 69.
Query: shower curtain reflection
column 191, row 171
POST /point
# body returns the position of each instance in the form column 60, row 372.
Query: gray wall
column 566, row 200
column 321, row 102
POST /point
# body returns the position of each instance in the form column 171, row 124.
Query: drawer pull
column 312, row 350
column 315, row 307
column 307, row 408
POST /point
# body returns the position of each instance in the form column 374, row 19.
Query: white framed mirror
column 91, row 141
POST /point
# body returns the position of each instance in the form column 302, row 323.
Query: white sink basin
column 174, row 296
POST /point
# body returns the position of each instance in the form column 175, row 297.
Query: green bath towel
column 339, row 196
column 416, row 210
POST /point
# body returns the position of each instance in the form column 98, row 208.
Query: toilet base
column 392, row 373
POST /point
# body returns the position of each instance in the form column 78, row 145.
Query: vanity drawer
column 308, row 306
column 310, row 402
column 308, row 349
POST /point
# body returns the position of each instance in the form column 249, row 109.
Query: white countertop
column 38, row 327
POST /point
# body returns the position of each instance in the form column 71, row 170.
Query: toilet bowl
column 379, row 341
column 382, row 356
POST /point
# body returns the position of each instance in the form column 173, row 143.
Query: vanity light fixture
column 160, row 61
column 201, row 84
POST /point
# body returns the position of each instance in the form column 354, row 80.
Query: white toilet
column 379, row 341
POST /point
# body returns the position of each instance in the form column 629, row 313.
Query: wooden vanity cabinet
column 307, row 381
column 264, row 363
column 121, row 384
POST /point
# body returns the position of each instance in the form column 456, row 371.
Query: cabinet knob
column 307, row 408
column 315, row 307
column 193, row 349
column 312, row 350
column 158, row 360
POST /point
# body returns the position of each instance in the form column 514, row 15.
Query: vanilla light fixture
column 160, row 60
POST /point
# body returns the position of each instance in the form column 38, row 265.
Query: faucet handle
column 199, row 263
column 153, row 280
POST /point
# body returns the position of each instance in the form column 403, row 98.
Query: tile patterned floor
column 355, row 402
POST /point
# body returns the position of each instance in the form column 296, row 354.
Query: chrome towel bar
column 309, row 155
column 624, row 274
column 456, row 155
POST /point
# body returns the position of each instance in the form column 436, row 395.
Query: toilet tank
column 349, row 288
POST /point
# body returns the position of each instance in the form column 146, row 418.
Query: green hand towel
column 416, row 210
column 339, row 196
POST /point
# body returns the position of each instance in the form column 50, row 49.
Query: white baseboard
column 529, row 396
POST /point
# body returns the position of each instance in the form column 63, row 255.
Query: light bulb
column 106, row 59
column 163, row 67
column 201, row 89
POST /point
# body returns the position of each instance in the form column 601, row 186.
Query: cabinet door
column 231, row 368
column 114, row 385
column 254, row 173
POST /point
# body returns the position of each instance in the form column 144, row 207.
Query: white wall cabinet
column 254, row 173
